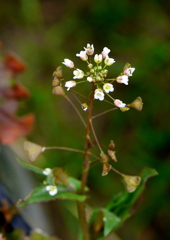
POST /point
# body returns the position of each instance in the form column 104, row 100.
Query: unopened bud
column 58, row 73
column 84, row 106
column 90, row 65
column 92, row 70
column 55, row 82
column 106, row 168
column 127, row 65
column 124, row 109
column 104, row 157
column 111, row 145
column 112, row 155
column 98, row 78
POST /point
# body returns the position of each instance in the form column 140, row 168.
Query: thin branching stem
column 109, row 102
column 100, row 114
column 71, row 150
column 112, row 168
column 64, row 148
column 77, row 111
column 116, row 171
column 79, row 94
column 94, row 134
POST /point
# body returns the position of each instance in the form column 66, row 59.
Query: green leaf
column 75, row 184
column 41, row 236
column 17, row 234
column 111, row 221
column 40, row 194
column 122, row 203
column 30, row 167
column 119, row 207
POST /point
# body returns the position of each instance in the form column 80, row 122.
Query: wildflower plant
column 57, row 184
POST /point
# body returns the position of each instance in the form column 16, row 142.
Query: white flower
column 78, row 74
column 119, row 103
column 68, row 63
column 129, row 71
column 99, row 94
column 98, row 58
column 90, row 49
column 47, row 171
column 109, row 61
column 70, row 84
column 89, row 79
column 108, row 87
column 51, row 189
column 105, row 52
column 123, row 79
column 82, row 55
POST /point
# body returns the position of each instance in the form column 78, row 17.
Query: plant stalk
column 82, row 205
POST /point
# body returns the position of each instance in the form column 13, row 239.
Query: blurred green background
column 45, row 32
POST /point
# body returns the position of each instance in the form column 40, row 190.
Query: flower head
column 52, row 190
column 90, row 49
column 82, row 55
column 70, row 84
column 98, row 58
column 109, row 61
column 119, row 103
column 68, row 63
column 105, row 52
column 123, row 79
column 129, row 71
column 99, row 94
column 47, row 171
column 78, row 74
column 108, row 87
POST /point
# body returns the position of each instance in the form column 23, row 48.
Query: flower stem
column 100, row 114
column 77, row 111
column 94, row 134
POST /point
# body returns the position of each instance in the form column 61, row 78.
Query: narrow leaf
column 111, row 221
column 40, row 194
column 30, row 167
column 119, row 209
column 38, row 235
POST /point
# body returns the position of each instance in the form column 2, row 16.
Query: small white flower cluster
column 97, row 74
column 51, row 189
